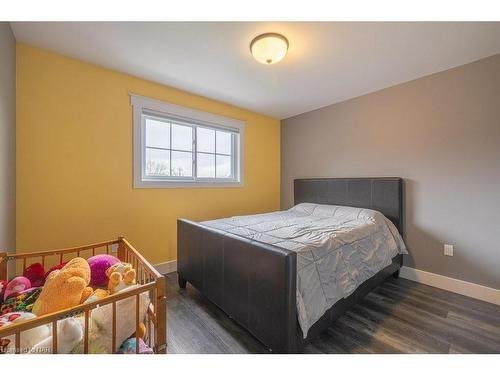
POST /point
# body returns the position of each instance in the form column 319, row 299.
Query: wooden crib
column 148, row 278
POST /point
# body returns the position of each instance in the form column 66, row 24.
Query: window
column 176, row 146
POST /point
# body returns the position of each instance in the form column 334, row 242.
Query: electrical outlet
column 114, row 248
column 448, row 250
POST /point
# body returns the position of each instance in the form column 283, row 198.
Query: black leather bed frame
column 255, row 283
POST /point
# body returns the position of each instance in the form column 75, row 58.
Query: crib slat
column 137, row 324
column 4, row 265
column 113, row 329
column 107, row 249
column 155, row 310
column 18, row 342
column 149, row 330
column 86, row 334
column 155, row 334
column 43, row 261
column 60, row 258
column 54, row 337
column 24, row 264
column 93, row 251
column 155, row 300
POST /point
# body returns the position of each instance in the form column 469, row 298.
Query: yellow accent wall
column 74, row 160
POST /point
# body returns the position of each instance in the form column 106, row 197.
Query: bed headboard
column 384, row 194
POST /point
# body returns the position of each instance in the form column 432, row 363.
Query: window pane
column 157, row 133
column 182, row 163
column 157, row 162
column 182, row 137
column 205, row 140
column 206, row 165
column 223, row 166
column 223, row 142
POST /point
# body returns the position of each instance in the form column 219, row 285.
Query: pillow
column 100, row 323
column 99, row 343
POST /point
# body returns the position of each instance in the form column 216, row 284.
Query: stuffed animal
column 141, row 331
column 15, row 286
column 3, row 286
column 121, row 275
column 21, row 302
column 98, row 265
column 69, row 334
column 130, row 344
column 97, row 295
column 55, row 268
column 29, row 338
column 64, row 288
column 35, row 273
column 129, row 347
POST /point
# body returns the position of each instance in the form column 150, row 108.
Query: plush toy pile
column 64, row 286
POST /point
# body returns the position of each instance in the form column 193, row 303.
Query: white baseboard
column 166, row 267
column 465, row 288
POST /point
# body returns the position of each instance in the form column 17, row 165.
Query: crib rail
column 149, row 281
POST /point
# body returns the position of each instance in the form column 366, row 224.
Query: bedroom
column 302, row 187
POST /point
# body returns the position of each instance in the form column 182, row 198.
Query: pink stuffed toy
column 98, row 266
column 15, row 286
column 36, row 274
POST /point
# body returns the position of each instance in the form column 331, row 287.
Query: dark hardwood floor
column 400, row 316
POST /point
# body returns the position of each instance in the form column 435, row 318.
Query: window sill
column 152, row 184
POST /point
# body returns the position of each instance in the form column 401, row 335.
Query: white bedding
column 337, row 247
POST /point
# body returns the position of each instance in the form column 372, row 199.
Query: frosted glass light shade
column 269, row 48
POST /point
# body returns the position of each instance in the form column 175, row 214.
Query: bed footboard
column 254, row 283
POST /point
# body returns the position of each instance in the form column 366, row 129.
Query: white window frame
column 143, row 106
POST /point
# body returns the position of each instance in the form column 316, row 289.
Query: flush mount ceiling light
column 269, row 48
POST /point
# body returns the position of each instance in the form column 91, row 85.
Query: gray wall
column 441, row 133
column 7, row 138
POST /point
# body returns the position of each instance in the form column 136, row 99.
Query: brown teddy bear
column 120, row 275
column 64, row 288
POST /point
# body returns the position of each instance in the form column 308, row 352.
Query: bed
column 288, row 275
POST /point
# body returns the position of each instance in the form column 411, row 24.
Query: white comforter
column 337, row 247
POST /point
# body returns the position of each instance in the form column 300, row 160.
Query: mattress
column 338, row 248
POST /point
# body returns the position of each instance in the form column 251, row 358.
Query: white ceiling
column 327, row 62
